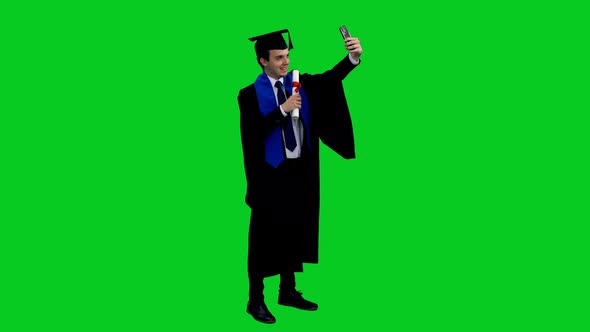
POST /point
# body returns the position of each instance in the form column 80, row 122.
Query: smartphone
column 344, row 32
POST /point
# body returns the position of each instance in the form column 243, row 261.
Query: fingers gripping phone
column 344, row 32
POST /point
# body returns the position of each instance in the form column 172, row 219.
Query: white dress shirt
column 297, row 126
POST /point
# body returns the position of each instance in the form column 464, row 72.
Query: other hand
column 292, row 103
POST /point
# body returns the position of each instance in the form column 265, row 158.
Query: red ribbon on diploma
column 296, row 85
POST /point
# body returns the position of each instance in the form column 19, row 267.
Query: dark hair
column 263, row 54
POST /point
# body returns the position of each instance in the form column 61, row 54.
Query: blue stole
column 274, row 149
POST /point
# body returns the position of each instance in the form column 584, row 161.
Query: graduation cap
column 271, row 41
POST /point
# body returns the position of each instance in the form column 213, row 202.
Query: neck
column 271, row 76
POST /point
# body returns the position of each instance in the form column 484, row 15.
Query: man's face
column 277, row 64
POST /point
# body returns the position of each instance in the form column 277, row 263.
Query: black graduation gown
column 284, row 230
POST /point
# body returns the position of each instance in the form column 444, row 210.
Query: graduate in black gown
column 281, row 159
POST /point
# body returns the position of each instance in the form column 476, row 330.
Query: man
column 281, row 159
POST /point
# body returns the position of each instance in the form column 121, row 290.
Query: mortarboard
column 271, row 41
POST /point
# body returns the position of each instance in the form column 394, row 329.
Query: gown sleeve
column 330, row 108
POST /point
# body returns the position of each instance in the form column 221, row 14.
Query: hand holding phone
column 353, row 45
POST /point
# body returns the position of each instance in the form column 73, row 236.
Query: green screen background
column 123, row 187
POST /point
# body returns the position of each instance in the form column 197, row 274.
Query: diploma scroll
column 296, row 85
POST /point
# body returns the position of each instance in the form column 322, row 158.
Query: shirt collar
column 273, row 81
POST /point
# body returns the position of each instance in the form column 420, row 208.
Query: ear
column 263, row 62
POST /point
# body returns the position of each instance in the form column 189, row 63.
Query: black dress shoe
column 260, row 312
column 294, row 299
